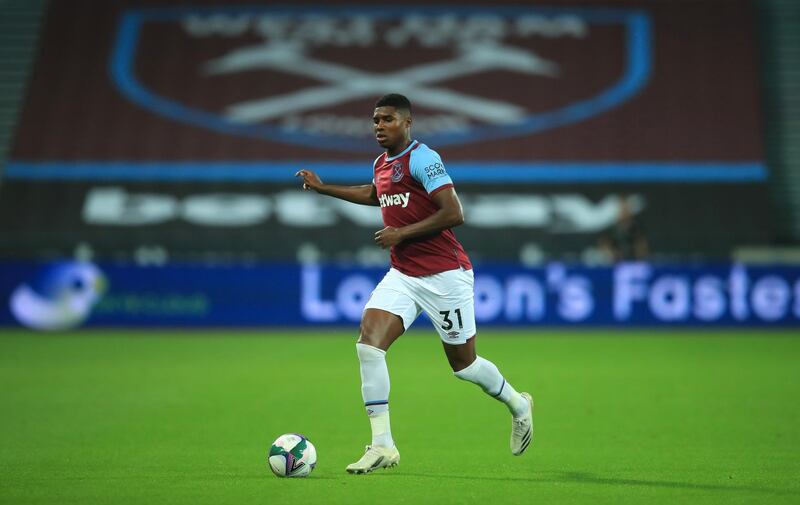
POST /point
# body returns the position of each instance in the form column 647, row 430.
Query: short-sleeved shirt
column 405, row 185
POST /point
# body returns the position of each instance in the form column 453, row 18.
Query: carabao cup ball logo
column 292, row 455
column 310, row 76
column 60, row 297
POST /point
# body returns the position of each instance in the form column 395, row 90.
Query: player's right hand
column 310, row 179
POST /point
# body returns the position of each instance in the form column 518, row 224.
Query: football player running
column 430, row 272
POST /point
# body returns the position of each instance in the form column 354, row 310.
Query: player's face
column 391, row 127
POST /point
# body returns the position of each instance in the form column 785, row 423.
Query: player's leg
column 387, row 315
column 468, row 366
column 379, row 329
column 453, row 316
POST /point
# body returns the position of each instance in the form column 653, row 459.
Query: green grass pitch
column 187, row 417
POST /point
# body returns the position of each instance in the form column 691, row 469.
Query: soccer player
column 429, row 272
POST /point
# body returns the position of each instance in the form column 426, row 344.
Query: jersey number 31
column 448, row 324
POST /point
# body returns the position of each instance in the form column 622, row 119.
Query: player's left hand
column 388, row 237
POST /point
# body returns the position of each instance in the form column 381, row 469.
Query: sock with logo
column 486, row 375
column 375, row 392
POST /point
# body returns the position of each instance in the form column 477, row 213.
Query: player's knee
column 461, row 356
column 369, row 335
column 379, row 329
column 460, row 363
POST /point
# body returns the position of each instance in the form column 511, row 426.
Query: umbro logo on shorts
column 452, row 334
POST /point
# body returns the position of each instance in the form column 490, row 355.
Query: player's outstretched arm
column 365, row 195
column 449, row 215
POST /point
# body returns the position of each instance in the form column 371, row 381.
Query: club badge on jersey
column 397, row 171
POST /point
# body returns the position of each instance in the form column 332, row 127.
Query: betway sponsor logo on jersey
column 400, row 199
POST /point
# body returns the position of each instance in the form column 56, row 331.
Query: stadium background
column 124, row 148
column 202, row 304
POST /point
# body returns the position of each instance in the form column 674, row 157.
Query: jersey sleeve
column 427, row 168
column 374, row 164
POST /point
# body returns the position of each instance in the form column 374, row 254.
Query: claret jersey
column 405, row 184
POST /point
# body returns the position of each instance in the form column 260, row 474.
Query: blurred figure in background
column 625, row 240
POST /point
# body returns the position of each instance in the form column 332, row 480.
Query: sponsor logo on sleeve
column 435, row 171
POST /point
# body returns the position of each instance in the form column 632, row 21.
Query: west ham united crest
column 310, row 76
column 397, row 171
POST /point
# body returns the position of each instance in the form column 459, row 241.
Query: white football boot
column 375, row 457
column 522, row 429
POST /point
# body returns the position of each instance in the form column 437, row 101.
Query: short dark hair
column 394, row 100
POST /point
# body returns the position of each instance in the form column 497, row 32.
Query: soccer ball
column 292, row 455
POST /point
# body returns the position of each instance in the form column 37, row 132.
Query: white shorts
column 446, row 297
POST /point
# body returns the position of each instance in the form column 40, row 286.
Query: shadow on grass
column 588, row 478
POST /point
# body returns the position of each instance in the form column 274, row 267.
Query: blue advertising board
column 72, row 294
